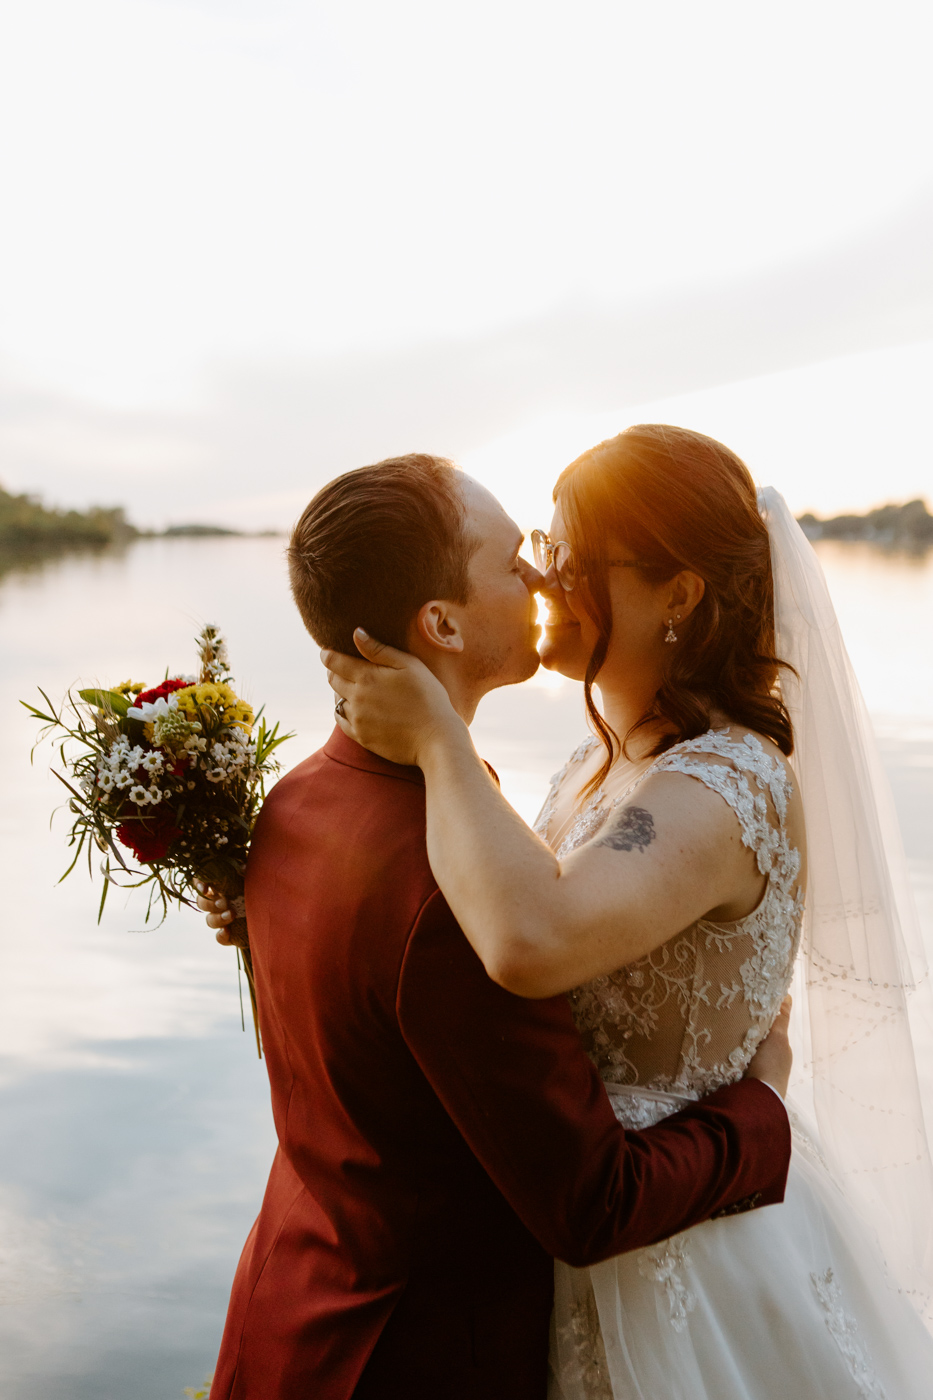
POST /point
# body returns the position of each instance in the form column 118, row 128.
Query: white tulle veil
column 861, row 956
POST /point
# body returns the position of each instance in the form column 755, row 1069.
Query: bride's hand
column 392, row 704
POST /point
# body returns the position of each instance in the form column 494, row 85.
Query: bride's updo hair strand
column 678, row 500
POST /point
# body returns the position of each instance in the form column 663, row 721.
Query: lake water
column 136, row 1133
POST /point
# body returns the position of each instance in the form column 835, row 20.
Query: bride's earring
column 671, row 635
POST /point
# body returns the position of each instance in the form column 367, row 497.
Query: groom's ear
column 437, row 625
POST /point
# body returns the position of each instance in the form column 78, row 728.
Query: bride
column 671, row 893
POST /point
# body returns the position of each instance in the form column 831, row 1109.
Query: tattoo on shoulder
column 632, row 830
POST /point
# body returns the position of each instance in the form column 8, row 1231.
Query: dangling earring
column 671, row 635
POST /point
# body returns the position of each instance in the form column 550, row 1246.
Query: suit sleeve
column 513, row 1076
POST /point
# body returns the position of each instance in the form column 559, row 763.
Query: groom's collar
column 347, row 751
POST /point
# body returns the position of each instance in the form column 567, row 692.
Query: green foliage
column 110, row 701
column 197, row 532
column 30, row 531
column 909, row 526
column 267, row 741
column 24, row 520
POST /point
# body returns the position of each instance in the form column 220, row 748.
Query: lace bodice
column 687, row 1018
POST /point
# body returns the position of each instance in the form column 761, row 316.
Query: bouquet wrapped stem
column 175, row 775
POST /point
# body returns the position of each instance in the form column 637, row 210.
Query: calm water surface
column 135, row 1133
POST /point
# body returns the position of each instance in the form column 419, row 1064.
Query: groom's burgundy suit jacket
column 439, row 1139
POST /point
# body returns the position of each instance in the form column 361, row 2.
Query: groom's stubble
column 501, row 610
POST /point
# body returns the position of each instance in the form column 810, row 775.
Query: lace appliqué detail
column 689, row 1017
column 580, row 1340
column 591, row 816
column 661, row 1265
column 844, row 1330
column 637, row 1109
column 543, row 819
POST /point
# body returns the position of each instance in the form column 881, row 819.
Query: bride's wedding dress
column 792, row 1300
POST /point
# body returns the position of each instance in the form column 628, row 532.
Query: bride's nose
column 551, row 589
column 532, row 578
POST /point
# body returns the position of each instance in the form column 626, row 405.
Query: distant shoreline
column 31, row 533
column 909, row 526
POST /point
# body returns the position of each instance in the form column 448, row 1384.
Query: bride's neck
column 621, row 709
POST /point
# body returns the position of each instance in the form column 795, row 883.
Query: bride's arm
column 539, row 925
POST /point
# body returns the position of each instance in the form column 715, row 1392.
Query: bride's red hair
column 679, row 500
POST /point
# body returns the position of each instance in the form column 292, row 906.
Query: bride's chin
column 558, row 650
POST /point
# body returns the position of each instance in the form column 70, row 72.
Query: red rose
column 160, row 692
column 150, row 839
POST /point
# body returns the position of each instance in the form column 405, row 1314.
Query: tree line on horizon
column 909, row 526
column 31, row 531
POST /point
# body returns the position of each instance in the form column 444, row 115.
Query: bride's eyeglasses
column 561, row 555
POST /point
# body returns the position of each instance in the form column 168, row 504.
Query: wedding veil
column 861, row 954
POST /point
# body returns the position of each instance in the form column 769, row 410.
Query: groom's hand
column 773, row 1059
column 218, row 911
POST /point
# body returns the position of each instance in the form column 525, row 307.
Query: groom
column 440, row 1140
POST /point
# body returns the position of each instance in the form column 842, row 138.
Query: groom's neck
column 465, row 692
column 463, row 697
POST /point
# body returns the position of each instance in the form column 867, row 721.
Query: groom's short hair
column 375, row 545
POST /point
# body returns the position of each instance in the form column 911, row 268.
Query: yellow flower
column 209, row 694
column 187, row 699
column 202, row 1393
column 220, row 698
column 241, row 714
column 129, row 687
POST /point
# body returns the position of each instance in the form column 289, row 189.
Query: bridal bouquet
column 173, row 775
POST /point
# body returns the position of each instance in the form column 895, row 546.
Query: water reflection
column 31, row 557
column 135, row 1128
column 130, row 1182
column 885, row 601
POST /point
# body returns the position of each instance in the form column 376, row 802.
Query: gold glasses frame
column 559, row 553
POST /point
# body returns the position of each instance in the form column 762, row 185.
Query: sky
column 248, row 244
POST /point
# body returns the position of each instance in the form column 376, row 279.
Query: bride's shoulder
column 752, row 777
column 760, row 747
column 736, row 747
